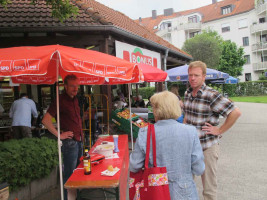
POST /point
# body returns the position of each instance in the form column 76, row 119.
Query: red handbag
column 149, row 183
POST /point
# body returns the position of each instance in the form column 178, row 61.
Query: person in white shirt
column 21, row 112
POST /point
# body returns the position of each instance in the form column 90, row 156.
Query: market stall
column 44, row 65
column 131, row 123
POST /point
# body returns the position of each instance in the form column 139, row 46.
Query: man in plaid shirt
column 203, row 106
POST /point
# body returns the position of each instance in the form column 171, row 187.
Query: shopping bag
column 149, row 183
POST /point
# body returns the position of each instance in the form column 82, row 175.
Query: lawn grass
column 252, row 99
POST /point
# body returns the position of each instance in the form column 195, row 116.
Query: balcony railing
column 259, row 46
column 258, row 27
column 164, row 31
column 261, row 8
column 189, row 26
column 259, row 66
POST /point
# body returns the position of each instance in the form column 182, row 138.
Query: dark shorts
column 20, row 132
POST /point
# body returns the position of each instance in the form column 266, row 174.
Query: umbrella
column 38, row 65
column 153, row 74
column 181, row 74
column 230, row 80
column 44, row 64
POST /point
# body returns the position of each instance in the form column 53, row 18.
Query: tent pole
column 58, row 133
column 130, row 107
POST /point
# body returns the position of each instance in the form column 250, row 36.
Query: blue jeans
column 71, row 151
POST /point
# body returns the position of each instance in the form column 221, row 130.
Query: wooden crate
column 4, row 193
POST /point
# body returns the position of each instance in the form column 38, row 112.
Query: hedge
column 22, row 161
column 249, row 88
column 145, row 92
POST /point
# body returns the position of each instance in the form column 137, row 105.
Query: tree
column 205, row 47
column 61, row 9
column 232, row 59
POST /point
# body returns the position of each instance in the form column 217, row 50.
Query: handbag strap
column 148, row 145
column 151, row 131
column 154, row 146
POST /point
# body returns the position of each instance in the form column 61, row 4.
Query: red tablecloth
column 95, row 180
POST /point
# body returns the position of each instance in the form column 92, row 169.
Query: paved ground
column 242, row 172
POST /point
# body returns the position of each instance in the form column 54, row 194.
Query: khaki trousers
column 209, row 177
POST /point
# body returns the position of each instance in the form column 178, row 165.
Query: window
column 242, row 23
column 225, row 27
column 263, row 57
column 193, row 19
column 168, row 37
column 226, row 10
column 165, row 25
column 245, row 41
column 193, row 34
column 247, row 76
column 247, row 57
column 263, row 38
column 262, row 20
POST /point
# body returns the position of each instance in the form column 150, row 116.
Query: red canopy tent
column 44, row 64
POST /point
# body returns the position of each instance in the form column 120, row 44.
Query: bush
column 250, row 88
column 22, row 161
column 145, row 92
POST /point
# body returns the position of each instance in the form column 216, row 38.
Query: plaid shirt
column 206, row 106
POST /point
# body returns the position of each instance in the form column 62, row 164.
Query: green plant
column 145, row 92
column 249, row 88
column 22, row 161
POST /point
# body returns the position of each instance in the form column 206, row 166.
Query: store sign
column 137, row 55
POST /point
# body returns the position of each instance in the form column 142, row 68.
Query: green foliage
column 232, row 59
column 263, row 77
column 205, row 47
column 250, row 88
column 22, row 161
column 61, row 9
column 145, row 92
column 182, row 87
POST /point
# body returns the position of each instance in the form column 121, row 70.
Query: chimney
column 154, row 14
column 214, row 1
column 140, row 19
column 168, row 12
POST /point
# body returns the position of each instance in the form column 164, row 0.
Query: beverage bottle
column 87, row 163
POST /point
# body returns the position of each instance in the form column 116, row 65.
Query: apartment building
column 241, row 21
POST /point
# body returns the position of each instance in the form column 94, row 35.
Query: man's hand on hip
column 66, row 135
column 211, row 130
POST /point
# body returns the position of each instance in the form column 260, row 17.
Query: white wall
column 235, row 34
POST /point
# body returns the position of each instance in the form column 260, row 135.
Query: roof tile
column 21, row 13
column 210, row 12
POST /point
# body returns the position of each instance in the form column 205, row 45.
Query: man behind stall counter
column 70, row 125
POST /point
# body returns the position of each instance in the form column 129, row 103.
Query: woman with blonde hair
column 177, row 145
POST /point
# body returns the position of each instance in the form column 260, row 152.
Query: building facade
column 241, row 21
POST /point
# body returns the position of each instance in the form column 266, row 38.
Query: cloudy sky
column 143, row 8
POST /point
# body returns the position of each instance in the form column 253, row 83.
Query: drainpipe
column 165, row 65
